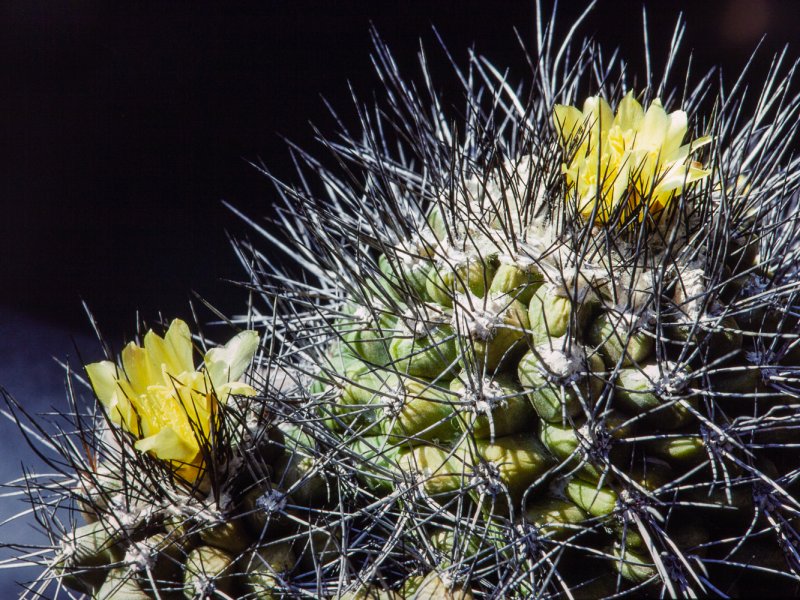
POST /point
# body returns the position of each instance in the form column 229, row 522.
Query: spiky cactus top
column 557, row 347
column 536, row 351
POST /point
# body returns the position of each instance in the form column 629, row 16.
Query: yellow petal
column 170, row 356
column 234, row 388
column 136, row 368
column 568, row 121
column 629, row 113
column 114, row 395
column 168, row 444
column 179, row 344
column 229, row 362
column 676, row 131
column 655, row 125
column 103, row 377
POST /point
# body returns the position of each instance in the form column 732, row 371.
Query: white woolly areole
column 271, row 501
column 413, row 252
column 393, row 403
column 667, row 378
column 420, row 325
column 140, row 557
column 479, row 317
column 689, row 292
column 570, row 282
column 484, row 397
column 560, row 363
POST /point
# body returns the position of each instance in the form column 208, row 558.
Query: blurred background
column 125, row 125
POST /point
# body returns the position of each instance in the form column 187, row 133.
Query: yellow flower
column 633, row 156
column 159, row 397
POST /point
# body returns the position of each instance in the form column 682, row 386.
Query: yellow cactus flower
column 635, row 156
column 158, row 396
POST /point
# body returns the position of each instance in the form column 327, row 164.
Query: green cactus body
column 407, row 275
column 429, row 352
column 616, row 348
column 381, row 461
column 553, row 313
column 494, row 407
column 263, row 568
column 541, row 346
column 518, row 282
column 419, row 412
column 119, row 585
column 559, row 384
column 86, row 554
column 555, row 517
column 474, row 276
column 633, row 565
column 439, row 470
column 493, row 330
column 209, row 572
column 637, row 391
column 516, row 461
column 598, row 502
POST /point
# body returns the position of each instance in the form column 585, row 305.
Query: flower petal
column 103, row 377
column 137, row 368
column 170, row 355
column 568, row 121
column 655, row 125
column 629, row 113
column 179, row 344
column 168, row 444
column 229, row 362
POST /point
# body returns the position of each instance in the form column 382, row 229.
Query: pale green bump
column 502, row 341
column 404, row 278
column 120, row 584
column 612, row 335
column 555, row 517
column 230, row 535
column 564, row 440
column 634, row 565
column 378, row 461
column 637, row 391
column 496, row 407
column 520, row 460
column 297, row 471
column 455, row 544
column 551, row 314
column 519, row 283
column 598, row 502
column 85, row 555
column 371, row 340
column 682, row 448
column 439, row 470
column 264, row 568
column 556, row 383
column 360, row 405
column 418, row 412
column 473, row 276
column 209, row 570
column 429, row 354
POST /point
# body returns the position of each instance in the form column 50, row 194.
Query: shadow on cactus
column 545, row 344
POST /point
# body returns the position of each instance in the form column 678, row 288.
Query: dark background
column 124, row 125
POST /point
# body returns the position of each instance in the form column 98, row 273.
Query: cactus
column 565, row 334
column 537, row 352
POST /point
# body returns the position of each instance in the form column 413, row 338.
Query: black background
column 125, row 124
